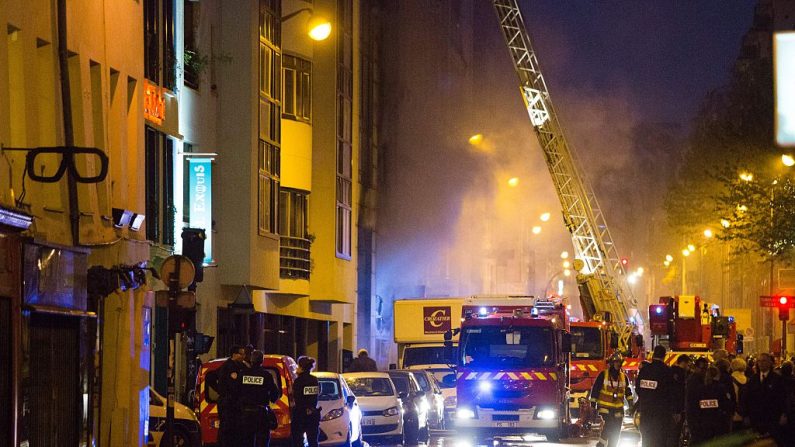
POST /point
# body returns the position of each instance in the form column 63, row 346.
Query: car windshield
column 428, row 355
column 329, row 389
column 401, row 383
column 440, row 374
column 497, row 347
column 587, row 342
column 370, row 386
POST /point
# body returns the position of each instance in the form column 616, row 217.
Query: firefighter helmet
column 616, row 357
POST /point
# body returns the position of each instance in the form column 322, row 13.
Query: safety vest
column 611, row 396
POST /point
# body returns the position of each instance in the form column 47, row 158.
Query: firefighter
column 608, row 393
column 257, row 391
column 657, row 400
column 229, row 401
column 306, row 416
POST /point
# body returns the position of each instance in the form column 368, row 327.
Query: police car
column 186, row 426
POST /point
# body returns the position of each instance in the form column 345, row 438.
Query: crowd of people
column 696, row 401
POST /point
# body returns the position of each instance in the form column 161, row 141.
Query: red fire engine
column 689, row 325
column 513, row 369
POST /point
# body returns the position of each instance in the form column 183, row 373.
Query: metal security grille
column 5, row 378
column 54, row 392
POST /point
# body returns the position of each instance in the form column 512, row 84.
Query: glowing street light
column 566, row 264
column 567, row 272
column 513, row 182
column 639, row 271
column 564, row 255
column 725, row 223
column 788, row 160
column 536, row 229
column 685, row 252
column 708, row 233
column 669, row 258
column 476, row 139
column 319, row 28
column 667, row 263
column 691, row 248
column 746, row 176
column 632, row 278
column 545, row 217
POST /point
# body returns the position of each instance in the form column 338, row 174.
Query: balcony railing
column 294, row 258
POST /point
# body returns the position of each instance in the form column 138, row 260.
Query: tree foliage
column 733, row 134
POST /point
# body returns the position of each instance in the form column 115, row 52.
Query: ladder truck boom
column 602, row 284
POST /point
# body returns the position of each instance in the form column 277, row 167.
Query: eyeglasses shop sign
column 436, row 319
column 201, row 205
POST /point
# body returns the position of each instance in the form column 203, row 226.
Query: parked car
column 434, row 396
column 382, row 410
column 445, row 378
column 415, row 404
column 186, row 426
column 283, row 369
column 340, row 415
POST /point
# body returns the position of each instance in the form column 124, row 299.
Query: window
column 159, row 57
column 269, row 116
column 295, row 245
column 344, row 127
column 192, row 58
column 159, row 187
column 297, row 99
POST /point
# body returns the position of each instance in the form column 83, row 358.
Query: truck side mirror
column 448, row 336
column 567, row 344
column 449, row 380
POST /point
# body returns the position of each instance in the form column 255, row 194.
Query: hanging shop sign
column 784, row 75
column 154, row 103
column 200, row 197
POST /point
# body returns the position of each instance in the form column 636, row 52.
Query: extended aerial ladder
column 602, row 281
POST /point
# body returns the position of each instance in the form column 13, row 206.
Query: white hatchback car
column 382, row 411
column 340, row 416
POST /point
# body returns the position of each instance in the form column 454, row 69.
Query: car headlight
column 391, row 411
column 464, row 413
column 484, row 386
column 450, row 401
column 547, row 414
column 333, row 414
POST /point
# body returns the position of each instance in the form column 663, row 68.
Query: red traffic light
column 624, row 261
column 783, row 300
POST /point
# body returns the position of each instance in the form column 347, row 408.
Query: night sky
column 662, row 56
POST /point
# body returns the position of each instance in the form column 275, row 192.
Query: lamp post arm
column 295, row 13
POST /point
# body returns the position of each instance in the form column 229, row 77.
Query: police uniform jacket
column 229, row 381
column 655, row 387
column 257, row 387
column 305, row 391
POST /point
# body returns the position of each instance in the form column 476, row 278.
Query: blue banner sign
column 201, row 201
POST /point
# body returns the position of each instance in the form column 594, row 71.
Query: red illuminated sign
column 154, row 103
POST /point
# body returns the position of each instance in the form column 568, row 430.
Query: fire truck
column 687, row 324
column 513, row 369
column 609, row 307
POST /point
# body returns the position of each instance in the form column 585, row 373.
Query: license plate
column 368, row 421
column 505, row 424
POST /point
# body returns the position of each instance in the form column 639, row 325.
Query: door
column 55, row 417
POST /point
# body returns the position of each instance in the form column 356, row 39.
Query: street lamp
column 513, row 182
column 746, row 176
column 788, row 160
column 708, row 233
column 476, row 139
column 545, row 217
column 317, row 27
column 536, row 229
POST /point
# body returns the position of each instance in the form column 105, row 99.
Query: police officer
column 657, row 400
column 305, row 415
column 229, row 401
column 608, row 393
column 257, row 391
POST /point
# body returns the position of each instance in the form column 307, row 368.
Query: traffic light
column 625, row 263
column 181, row 319
column 202, row 343
column 784, row 305
column 193, row 248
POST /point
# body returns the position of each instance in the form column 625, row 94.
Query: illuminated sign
column 201, row 200
column 784, row 69
column 154, row 103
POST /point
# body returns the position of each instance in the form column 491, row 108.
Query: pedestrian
column 229, row 399
column 725, row 377
column 247, row 357
column 658, row 409
column 765, row 402
column 609, row 390
column 679, row 373
column 788, row 381
column 363, row 362
column 708, row 404
column 739, row 381
column 257, row 391
column 306, row 415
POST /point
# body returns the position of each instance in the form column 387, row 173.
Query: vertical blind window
column 297, row 98
column 270, row 89
column 344, row 127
